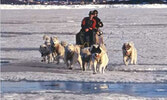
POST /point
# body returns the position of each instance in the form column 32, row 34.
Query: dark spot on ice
column 8, row 59
column 152, row 64
column 19, row 49
column 7, row 36
column 31, row 33
column 4, row 62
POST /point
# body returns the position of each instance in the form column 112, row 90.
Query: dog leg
column 71, row 64
column 54, row 56
column 43, row 59
column 67, row 63
column 51, row 57
column 103, row 69
column 135, row 60
column 132, row 59
column 84, row 64
column 80, row 62
column 100, row 68
column 125, row 60
column 94, row 67
column 48, row 58
column 58, row 59
column 64, row 60
column 90, row 65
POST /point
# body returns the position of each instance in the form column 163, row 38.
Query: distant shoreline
column 7, row 6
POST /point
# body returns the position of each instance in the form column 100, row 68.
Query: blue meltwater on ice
column 135, row 89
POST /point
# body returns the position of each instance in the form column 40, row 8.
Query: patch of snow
column 58, row 95
column 109, row 76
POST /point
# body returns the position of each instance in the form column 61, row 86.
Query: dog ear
column 99, row 50
column 128, row 46
column 98, row 47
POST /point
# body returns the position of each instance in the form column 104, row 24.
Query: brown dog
column 57, row 49
column 129, row 52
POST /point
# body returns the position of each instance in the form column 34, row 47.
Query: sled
column 97, row 39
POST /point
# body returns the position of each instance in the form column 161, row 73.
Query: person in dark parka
column 86, row 34
column 99, row 23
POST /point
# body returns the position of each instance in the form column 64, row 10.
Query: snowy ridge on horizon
column 4, row 6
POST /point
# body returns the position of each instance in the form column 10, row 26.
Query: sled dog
column 45, row 53
column 57, row 49
column 129, row 53
column 72, row 55
column 100, row 58
column 45, row 50
column 86, row 58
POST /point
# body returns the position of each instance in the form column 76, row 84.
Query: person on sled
column 86, row 36
column 98, row 20
column 99, row 37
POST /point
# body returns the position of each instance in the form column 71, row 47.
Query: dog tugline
column 90, row 33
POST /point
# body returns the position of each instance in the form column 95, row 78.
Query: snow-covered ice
column 22, row 31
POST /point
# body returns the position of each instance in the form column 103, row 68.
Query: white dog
column 99, row 57
column 72, row 55
column 129, row 52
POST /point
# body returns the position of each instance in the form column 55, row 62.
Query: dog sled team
column 89, row 50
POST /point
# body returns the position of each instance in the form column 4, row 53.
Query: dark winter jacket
column 98, row 22
column 87, row 23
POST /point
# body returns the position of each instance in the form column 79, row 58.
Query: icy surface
column 58, row 95
column 22, row 31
